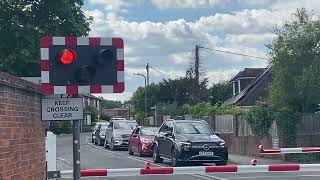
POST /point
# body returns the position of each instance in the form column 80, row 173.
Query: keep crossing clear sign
column 60, row 109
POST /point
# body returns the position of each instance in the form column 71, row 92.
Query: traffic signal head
column 82, row 65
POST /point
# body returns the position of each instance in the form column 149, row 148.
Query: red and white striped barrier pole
column 194, row 170
column 289, row 150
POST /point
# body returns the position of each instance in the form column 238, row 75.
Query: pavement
column 95, row 157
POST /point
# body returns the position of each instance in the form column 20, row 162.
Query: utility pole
column 145, row 93
column 196, row 65
column 147, row 67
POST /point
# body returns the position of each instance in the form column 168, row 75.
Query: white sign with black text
column 60, row 109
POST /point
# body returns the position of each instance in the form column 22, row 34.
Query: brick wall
column 22, row 134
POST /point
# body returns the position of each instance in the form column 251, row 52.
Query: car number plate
column 206, row 153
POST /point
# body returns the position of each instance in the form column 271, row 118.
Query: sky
column 164, row 33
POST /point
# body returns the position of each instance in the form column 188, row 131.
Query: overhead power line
column 235, row 53
column 159, row 72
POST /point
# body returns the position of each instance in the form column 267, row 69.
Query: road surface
column 93, row 156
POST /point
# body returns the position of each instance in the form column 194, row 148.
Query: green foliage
column 288, row 120
column 105, row 116
column 60, row 127
column 24, row 22
column 295, row 64
column 169, row 109
column 87, row 128
column 110, row 104
column 260, row 118
column 221, row 92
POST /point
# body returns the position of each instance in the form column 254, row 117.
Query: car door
column 168, row 140
column 109, row 133
column 133, row 140
column 161, row 138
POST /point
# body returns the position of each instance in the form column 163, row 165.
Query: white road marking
column 207, row 177
column 310, row 175
column 65, row 161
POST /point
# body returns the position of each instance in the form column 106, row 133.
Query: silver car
column 118, row 132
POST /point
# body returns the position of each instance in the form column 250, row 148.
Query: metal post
column 76, row 149
column 145, row 94
column 147, row 67
column 145, row 97
column 129, row 112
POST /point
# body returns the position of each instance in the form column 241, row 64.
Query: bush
column 288, row 121
column 260, row 119
column 60, row 127
column 86, row 128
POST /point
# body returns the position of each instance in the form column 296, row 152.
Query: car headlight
column 222, row 142
column 184, row 146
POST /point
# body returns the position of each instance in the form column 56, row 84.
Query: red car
column 141, row 140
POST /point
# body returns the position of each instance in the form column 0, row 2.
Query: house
column 250, row 86
column 93, row 101
column 117, row 112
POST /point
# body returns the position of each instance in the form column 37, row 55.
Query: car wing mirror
column 168, row 133
column 217, row 134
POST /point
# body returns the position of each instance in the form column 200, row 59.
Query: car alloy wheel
column 130, row 151
column 105, row 143
column 174, row 160
column 155, row 155
column 140, row 151
column 112, row 145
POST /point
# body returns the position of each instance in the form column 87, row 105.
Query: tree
column 221, row 92
column 295, row 64
column 110, row 104
column 24, row 22
column 138, row 99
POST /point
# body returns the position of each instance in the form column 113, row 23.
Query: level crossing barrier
column 194, row 170
column 299, row 150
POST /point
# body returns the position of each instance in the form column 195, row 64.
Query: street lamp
column 145, row 92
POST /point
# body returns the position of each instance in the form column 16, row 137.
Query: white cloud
column 116, row 96
column 246, row 21
column 165, row 4
column 181, row 58
column 219, row 76
column 249, row 39
column 115, row 5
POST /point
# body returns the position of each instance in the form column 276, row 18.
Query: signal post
column 78, row 65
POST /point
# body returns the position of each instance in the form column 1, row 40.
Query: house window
column 235, row 88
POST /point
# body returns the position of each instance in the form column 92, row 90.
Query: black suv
column 189, row 141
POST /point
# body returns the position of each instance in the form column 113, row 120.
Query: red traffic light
column 67, row 56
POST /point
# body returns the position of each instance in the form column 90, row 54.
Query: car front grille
column 125, row 136
column 205, row 146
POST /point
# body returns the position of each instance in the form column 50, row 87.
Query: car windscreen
column 193, row 128
column 104, row 127
column 125, row 125
column 149, row 131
